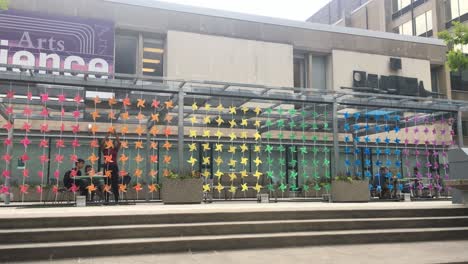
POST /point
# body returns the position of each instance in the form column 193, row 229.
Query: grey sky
column 289, row 9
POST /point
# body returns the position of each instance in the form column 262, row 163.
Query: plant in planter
column 346, row 188
column 182, row 188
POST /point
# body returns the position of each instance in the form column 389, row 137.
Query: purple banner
column 56, row 42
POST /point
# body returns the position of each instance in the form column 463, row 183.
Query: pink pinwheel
column 27, row 111
column 75, row 143
column 435, row 153
column 155, row 103
column 411, row 187
column 434, row 142
column 73, row 158
column 74, row 188
column 44, row 143
column 406, row 152
column 75, row 129
column 59, row 158
column 56, row 174
column 27, row 127
column 416, row 130
column 9, row 110
column 428, row 165
column 430, row 186
column 436, row 165
column 7, row 142
column 25, row 157
column 77, row 98
column 62, row 112
column 76, row 114
column 407, row 164
column 447, row 176
column 416, row 141
column 60, row 143
column 24, row 188
column 429, row 175
column 416, row 153
column 6, row 158
column 10, row 94
column 44, row 97
column 439, row 187
column 5, row 189
column 427, row 153
column 437, row 176
column 44, row 128
column 40, row 174
column 39, row 189
column 418, row 164
column 61, row 98
column 426, row 142
column 452, row 132
column 426, row 130
column 29, row 95
column 446, row 166
column 406, row 142
column 44, row 112
column 434, row 131
column 55, row 189
column 73, row 173
column 420, row 187
column 443, row 132
column 444, row 154
column 6, row 174
column 62, row 127
column 26, row 173
column 8, row 126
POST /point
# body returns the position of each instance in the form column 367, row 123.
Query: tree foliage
column 4, row 4
column 455, row 37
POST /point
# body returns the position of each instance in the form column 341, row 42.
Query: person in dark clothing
column 68, row 178
column 110, row 149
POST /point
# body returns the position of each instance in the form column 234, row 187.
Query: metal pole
column 460, row 129
column 148, row 164
column 9, row 166
column 180, row 142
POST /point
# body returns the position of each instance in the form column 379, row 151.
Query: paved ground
column 159, row 208
column 413, row 253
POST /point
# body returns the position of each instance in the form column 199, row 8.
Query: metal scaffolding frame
column 185, row 91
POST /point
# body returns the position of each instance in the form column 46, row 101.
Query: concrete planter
column 186, row 191
column 355, row 191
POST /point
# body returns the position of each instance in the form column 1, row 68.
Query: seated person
column 68, row 178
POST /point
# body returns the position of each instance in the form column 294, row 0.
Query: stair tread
column 142, row 226
column 217, row 237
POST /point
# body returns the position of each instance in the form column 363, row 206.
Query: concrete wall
column 345, row 62
column 205, row 57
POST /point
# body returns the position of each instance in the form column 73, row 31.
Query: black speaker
column 359, row 79
column 373, row 81
column 395, row 64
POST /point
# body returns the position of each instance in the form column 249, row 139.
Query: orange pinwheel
column 106, row 188
column 154, row 145
column 154, row 131
column 139, row 145
column 124, row 144
column 111, row 129
column 93, row 158
column 122, row 188
column 167, row 145
column 140, row 130
column 139, row 159
column 169, row 104
column 167, row 159
column 91, row 188
column 155, row 117
column 111, row 115
column 97, row 100
column 141, row 103
column 127, row 101
column 112, row 101
column 166, row 172
column 124, row 130
column 138, row 172
column 152, row 188
column 108, row 159
column 154, row 158
column 140, row 116
column 168, row 118
column 124, row 116
column 94, row 129
column 153, row 173
column 109, row 144
column 122, row 173
column 95, row 115
column 123, row 158
column 108, row 174
column 138, row 187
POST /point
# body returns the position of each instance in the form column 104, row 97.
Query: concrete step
column 172, row 218
column 58, row 234
column 60, row 250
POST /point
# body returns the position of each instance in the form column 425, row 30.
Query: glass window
column 459, row 81
column 300, row 71
column 406, row 28
column 400, row 4
column 457, row 8
column 423, row 23
column 319, row 72
column 153, row 55
column 125, row 54
column 463, row 7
